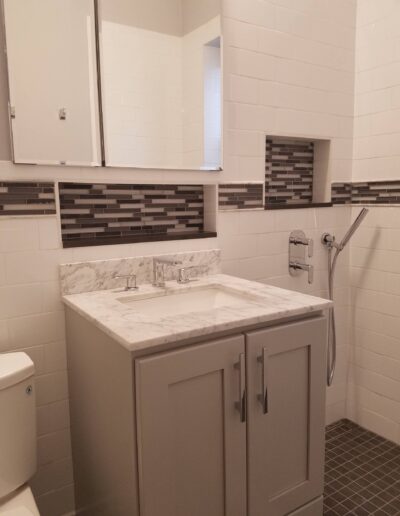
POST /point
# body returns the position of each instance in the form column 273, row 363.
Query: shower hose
column 331, row 356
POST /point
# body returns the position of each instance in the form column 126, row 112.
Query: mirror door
column 161, row 83
column 52, row 68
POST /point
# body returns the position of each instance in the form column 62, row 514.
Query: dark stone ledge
column 81, row 242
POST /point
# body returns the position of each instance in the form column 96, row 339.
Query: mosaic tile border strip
column 27, row 198
column 289, row 169
column 341, row 193
column 362, row 472
column 240, row 196
column 367, row 192
column 100, row 214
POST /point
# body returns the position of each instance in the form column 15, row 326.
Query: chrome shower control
column 298, row 242
column 296, row 266
column 308, row 242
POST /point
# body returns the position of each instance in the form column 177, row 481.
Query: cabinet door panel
column 191, row 442
column 286, row 444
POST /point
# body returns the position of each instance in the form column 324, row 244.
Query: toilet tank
column 17, row 421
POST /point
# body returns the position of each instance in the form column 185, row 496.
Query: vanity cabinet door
column 191, row 434
column 286, row 369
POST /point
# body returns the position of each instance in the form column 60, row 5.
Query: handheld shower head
column 329, row 241
column 353, row 228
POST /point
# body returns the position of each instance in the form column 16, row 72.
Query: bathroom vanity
column 203, row 399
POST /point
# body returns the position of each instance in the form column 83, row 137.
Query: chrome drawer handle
column 264, row 396
column 241, row 404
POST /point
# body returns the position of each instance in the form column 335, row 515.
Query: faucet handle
column 129, row 278
column 183, row 276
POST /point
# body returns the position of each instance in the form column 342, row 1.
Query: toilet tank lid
column 14, row 368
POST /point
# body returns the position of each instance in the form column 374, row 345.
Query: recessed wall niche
column 106, row 214
column 296, row 172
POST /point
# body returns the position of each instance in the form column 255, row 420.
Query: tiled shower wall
column 377, row 92
column 374, row 382
column 254, row 246
column 374, row 386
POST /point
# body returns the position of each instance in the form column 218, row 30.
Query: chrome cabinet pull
column 241, row 405
column 264, row 396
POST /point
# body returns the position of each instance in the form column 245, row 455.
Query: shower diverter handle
column 309, row 242
column 297, row 266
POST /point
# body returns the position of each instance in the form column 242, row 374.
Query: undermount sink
column 186, row 301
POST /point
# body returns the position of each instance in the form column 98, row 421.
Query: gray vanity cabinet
column 191, row 440
column 286, row 400
column 188, row 431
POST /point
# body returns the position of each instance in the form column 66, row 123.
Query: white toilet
column 17, row 435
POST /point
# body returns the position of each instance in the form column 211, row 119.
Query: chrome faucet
column 159, row 265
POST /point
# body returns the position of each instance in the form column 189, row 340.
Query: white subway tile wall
column 152, row 140
column 32, row 320
column 288, row 71
column 377, row 92
column 254, row 246
column 374, row 380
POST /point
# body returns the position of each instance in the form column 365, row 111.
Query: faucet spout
column 159, row 266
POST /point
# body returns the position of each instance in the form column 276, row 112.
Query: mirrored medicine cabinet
column 120, row 83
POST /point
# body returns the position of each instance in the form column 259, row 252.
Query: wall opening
column 296, row 172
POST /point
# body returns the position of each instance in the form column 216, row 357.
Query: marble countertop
column 138, row 332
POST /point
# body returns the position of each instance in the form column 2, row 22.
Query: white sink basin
column 186, row 301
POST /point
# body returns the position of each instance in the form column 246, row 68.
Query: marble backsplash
column 80, row 277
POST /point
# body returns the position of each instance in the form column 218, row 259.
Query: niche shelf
column 296, row 172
